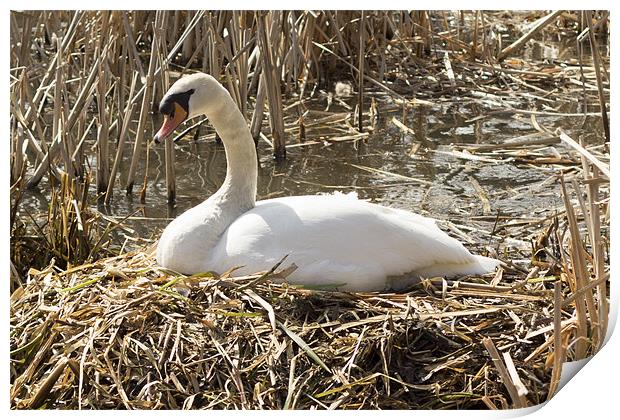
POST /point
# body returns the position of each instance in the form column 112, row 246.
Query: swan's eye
column 167, row 105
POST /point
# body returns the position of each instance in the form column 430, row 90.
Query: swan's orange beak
column 171, row 122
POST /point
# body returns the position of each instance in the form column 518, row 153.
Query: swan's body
column 335, row 240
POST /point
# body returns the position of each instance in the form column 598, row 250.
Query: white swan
column 335, row 240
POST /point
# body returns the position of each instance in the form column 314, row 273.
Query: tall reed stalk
column 268, row 37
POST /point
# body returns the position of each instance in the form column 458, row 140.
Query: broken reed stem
column 558, row 350
column 584, row 306
column 591, row 215
column 518, row 400
column 170, row 171
column 537, row 27
column 597, row 251
column 603, row 167
column 259, row 108
column 43, row 393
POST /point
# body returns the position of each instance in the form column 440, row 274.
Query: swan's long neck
column 193, row 235
column 238, row 192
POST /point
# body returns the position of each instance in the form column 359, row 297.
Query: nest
column 125, row 333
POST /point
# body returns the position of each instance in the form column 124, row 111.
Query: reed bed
column 93, row 326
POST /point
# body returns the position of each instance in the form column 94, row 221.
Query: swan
column 336, row 241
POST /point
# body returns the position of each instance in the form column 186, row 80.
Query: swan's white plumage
column 336, row 240
column 333, row 239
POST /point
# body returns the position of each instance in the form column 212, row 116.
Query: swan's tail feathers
column 478, row 266
column 487, row 264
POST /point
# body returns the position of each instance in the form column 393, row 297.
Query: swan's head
column 188, row 97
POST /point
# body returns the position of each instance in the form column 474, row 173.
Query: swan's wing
column 335, row 237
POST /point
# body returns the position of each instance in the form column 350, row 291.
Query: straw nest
column 124, row 333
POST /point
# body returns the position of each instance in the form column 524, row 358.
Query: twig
column 537, row 27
